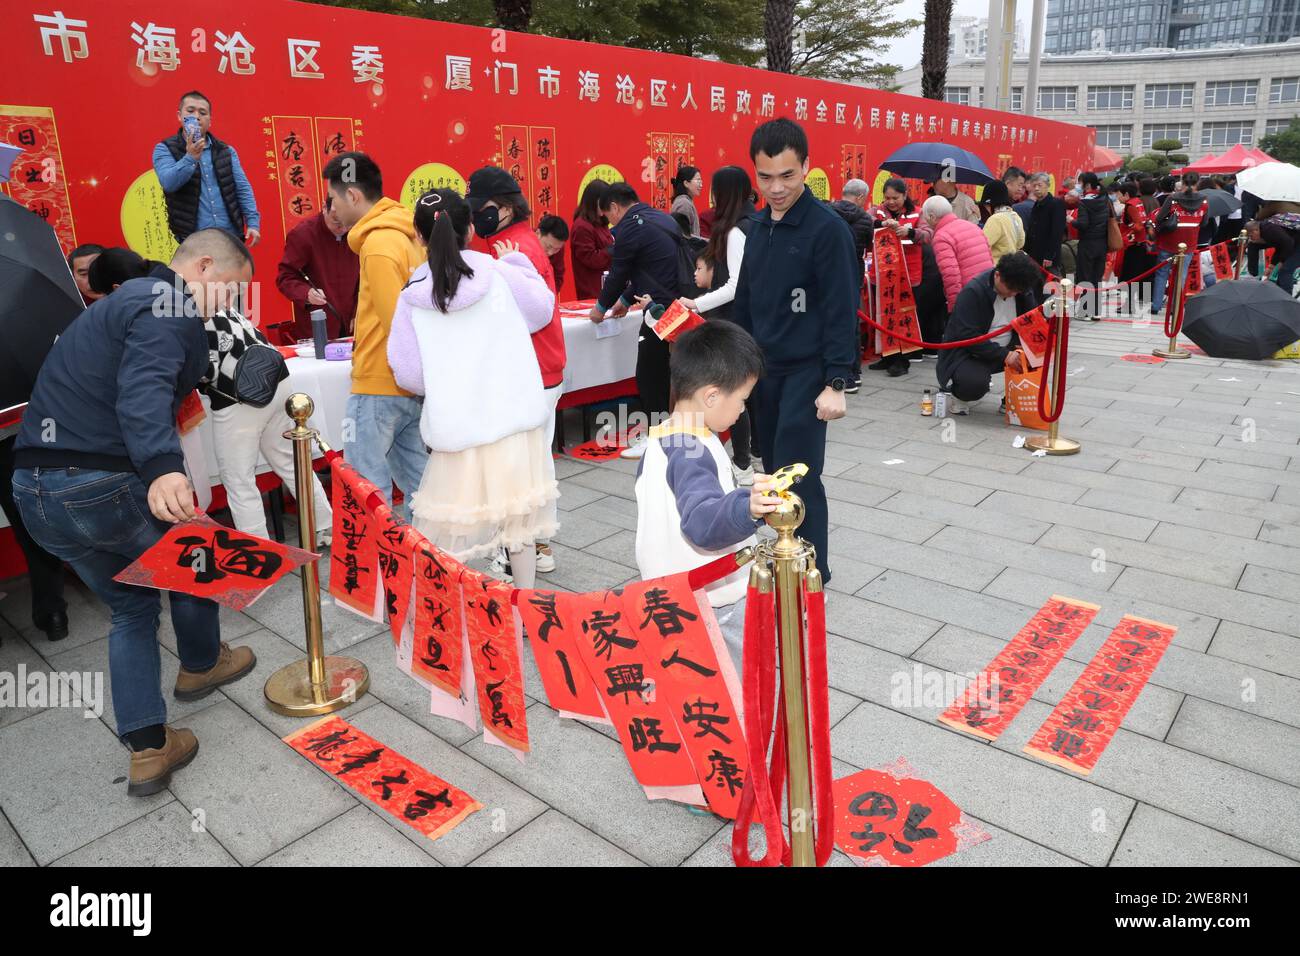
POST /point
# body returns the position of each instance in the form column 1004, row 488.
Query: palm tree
column 514, row 14
column 778, row 29
column 934, row 48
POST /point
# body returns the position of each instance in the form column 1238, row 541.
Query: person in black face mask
column 500, row 214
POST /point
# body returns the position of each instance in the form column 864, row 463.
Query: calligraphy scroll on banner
column 1004, row 687
column 354, row 555
column 895, row 303
column 437, row 652
column 551, row 619
column 38, row 179
column 335, row 135
column 384, row 777
column 209, row 560
column 293, row 156
column 1084, row 722
column 1224, row 268
column 497, row 659
column 393, row 542
column 1034, row 333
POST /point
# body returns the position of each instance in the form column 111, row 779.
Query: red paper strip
column 900, row 822
column 39, row 180
column 294, row 154
column 543, row 196
column 393, row 545
column 354, row 557
column 438, row 634
column 612, row 653
column 334, row 137
column 191, row 413
column 1224, row 268
column 551, row 619
column 1020, row 668
column 1085, row 721
column 675, row 644
column 596, row 450
column 384, row 777
column 895, row 302
column 676, row 320
column 209, row 560
column 1194, row 282
column 498, row 671
column 1033, row 331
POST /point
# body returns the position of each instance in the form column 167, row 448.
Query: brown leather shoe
column 151, row 770
column 232, row 664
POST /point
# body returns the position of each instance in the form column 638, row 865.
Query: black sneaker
column 852, row 387
column 896, row 370
column 881, row 365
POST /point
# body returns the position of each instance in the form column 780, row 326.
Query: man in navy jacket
column 99, row 477
column 798, row 295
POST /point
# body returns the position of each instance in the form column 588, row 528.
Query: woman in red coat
column 589, row 242
column 1138, row 255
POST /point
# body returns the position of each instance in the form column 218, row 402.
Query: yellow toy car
column 785, row 477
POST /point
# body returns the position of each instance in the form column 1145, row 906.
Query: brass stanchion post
column 1180, row 285
column 1052, row 442
column 1241, row 240
column 792, row 557
column 319, row 684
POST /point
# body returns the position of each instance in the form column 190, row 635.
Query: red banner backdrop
column 293, row 84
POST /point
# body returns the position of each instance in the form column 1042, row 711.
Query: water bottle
column 320, row 334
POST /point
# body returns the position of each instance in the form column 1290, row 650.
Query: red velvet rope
column 1170, row 319
column 1102, row 288
column 1055, row 373
column 819, row 711
column 936, row 345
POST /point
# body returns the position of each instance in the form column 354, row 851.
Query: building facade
column 1127, row 26
column 1207, row 99
column 968, row 37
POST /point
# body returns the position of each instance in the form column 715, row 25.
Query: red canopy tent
column 1233, row 161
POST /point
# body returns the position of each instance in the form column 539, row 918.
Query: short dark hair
column 776, row 136
column 1018, row 271
column 553, row 226
column 224, row 248
column 1012, row 172
column 618, row 194
column 1194, row 180
column 355, row 169
column 113, row 267
column 88, row 249
column 193, row 95
column 1147, row 186
column 715, row 353
column 1089, row 180
column 517, row 204
column 1167, row 184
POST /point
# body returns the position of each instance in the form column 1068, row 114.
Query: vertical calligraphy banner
column 1085, row 721
column 297, row 172
column 660, row 173
column 393, row 544
column 551, row 619
column 543, row 198
column 437, row 654
column 895, row 301
column 1020, row 668
column 498, row 669
column 334, row 136
column 515, row 155
column 354, row 555
column 39, row 179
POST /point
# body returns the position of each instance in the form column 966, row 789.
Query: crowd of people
column 458, row 358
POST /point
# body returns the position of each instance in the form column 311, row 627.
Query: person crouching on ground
column 688, row 509
column 990, row 300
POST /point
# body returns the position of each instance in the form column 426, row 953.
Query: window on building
column 1058, row 98
column 1284, row 89
column 957, row 94
column 1153, row 132
column 1115, row 137
column 1274, row 126
column 1168, row 95
column 1229, row 133
column 1017, row 99
column 1231, row 93
column 1110, row 97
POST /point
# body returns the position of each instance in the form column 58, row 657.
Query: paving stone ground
column 1184, row 506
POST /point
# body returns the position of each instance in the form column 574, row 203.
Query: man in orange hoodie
column 381, row 431
column 501, row 214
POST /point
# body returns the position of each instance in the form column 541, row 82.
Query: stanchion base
column 289, row 690
column 1053, row 446
column 1171, row 353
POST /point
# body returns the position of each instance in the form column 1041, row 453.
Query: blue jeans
column 385, row 444
column 1161, row 280
column 99, row 522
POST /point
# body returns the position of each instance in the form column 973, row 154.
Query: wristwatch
column 837, row 384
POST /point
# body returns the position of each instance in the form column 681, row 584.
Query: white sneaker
column 500, row 567
column 545, row 559
column 957, row 407
column 325, row 538
column 744, row 476
column 634, row 450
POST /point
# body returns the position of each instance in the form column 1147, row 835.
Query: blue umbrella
column 931, row 161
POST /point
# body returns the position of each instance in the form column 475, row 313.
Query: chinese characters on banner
column 1034, row 335
column 393, row 544
column 384, row 777
column 335, row 135
column 1194, row 282
column 38, row 178
column 1224, row 267
column 668, row 153
column 895, row 302
column 528, row 154
column 1020, row 668
column 495, row 654
column 209, row 560
column 1086, row 719
column 515, row 154
column 436, row 656
column 890, row 818
column 853, row 162
column 551, row 620
column 293, row 156
column 354, row 556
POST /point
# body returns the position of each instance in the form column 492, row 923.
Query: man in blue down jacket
column 99, row 478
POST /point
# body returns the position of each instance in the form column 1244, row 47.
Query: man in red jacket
column 501, row 214
column 320, row 271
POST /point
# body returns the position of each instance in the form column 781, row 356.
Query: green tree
column 844, row 39
column 1167, row 146
column 934, row 48
column 778, row 34
column 1284, row 145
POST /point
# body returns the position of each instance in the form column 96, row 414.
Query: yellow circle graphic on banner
column 144, row 219
column 878, row 188
column 603, row 172
column 818, row 182
column 430, row 176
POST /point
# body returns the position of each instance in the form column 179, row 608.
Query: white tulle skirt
column 472, row 502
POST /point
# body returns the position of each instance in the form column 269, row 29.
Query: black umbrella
column 38, row 298
column 1242, row 319
column 1221, row 203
